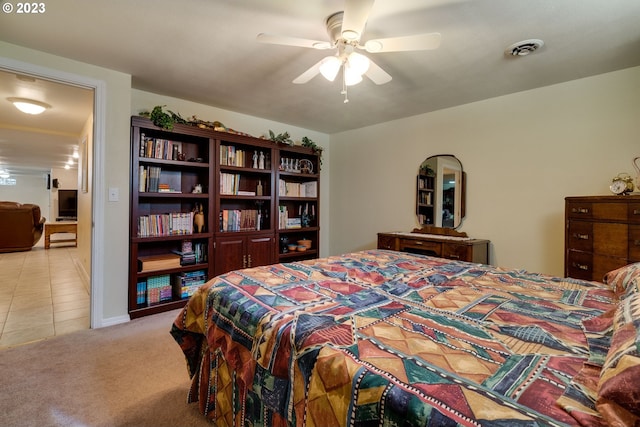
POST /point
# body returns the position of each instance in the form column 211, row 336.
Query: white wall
column 67, row 180
column 523, row 154
column 31, row 187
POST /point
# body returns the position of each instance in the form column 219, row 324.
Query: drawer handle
column 581, row 266
column 418, row 243
column 581, row 236
column 580, row 210
column 453, row 256
column 636, row 211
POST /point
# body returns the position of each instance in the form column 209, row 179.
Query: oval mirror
column 440, row 195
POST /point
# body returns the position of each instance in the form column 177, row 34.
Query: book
column 158, row 289
column 158, row 262
column 186, row 283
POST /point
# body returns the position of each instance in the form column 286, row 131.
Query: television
column 67, row 204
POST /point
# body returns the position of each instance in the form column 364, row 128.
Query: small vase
column 198, row 221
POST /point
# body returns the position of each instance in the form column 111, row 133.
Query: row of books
column 240, row 220
column 232, row 156
column 297, row 189
column 167, row 224
column 158, row 148
column 284, row 220
column 230, row 185
column 154, row 290
column 153, row 179
column 186, row 283
column 158, row 289
column 424, row 198
column 193, row 254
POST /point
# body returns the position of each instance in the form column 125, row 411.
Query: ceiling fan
column 345, row 32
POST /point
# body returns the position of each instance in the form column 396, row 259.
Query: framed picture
column 85, row 166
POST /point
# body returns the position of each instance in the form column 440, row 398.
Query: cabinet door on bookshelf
column 243, row 251
column 229, row 254
column 260, row 250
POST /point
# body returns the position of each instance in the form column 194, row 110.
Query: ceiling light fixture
column 353, row 65
column 29, row 106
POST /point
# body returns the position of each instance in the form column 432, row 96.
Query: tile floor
column 42, row 294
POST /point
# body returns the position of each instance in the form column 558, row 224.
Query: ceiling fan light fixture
column 322, row 45
column 330, row 67
column 358, row 63
column 351, row 77
column 373, row 46
column 350, row 35
column 29, row 106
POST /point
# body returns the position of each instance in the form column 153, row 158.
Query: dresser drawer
column 634, row 243
column 579, row 265
column 598, row 237
column 423, row 247
column 597, row 211
column 634, row 213
column 387, row 242
column 587, row 266
column 580, row 236
column 453, row 251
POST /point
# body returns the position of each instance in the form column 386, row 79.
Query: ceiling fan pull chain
column 344, row 86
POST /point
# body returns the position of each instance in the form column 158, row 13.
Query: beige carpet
column 132, row 374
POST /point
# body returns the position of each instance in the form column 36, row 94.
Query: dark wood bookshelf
column 202, row 164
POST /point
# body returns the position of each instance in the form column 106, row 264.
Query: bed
column 380, row 337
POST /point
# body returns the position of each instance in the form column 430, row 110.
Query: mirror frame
column 430, row 192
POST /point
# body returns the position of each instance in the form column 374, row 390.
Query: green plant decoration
column 306, row 142
column 164, row 120
column 282, row 138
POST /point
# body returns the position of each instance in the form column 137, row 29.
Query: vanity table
column 437, row 241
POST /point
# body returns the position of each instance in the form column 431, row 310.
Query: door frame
column 97, row 194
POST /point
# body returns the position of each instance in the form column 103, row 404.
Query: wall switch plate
column 114, row 194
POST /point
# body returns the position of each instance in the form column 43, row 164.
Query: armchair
column 21, row 226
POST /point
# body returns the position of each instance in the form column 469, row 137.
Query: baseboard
column 114, row 321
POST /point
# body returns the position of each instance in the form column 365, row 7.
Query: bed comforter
column 388, row 338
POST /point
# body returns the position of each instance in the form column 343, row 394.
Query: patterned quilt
column 388, row 338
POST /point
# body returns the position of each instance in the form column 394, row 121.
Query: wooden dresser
column 602, row 233
column 439, row 242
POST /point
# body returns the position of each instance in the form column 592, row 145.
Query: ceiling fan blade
column 292, row 41
column 309, row 74
column 356, row 13
column 398, row 44
column 377, row 74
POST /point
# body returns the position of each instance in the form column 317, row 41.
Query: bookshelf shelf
column 233, row 180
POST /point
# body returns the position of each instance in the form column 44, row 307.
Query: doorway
column 93, row 206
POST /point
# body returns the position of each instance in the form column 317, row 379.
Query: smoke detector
column 524, row 47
